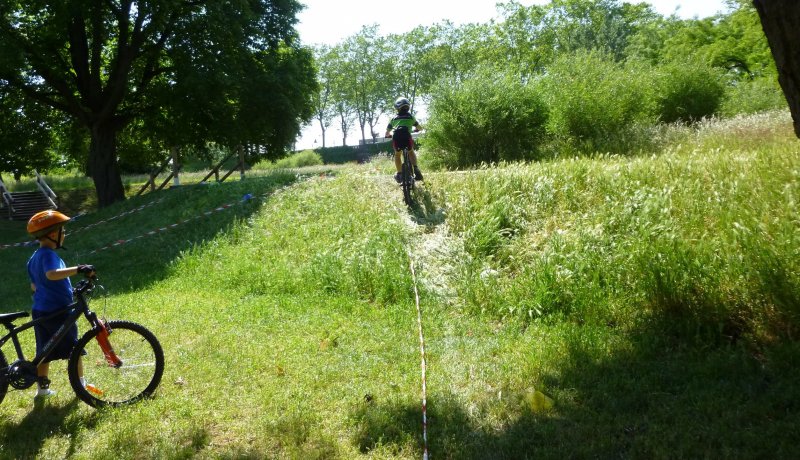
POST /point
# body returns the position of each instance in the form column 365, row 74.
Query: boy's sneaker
column 43, row 389
column 418, row 175
column 42, row 395
column 398, row 178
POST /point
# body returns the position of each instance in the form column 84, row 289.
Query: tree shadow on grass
column 390, row 425
column 26, row 438
column 452, row 432
column 652, row 401
column 639, row 403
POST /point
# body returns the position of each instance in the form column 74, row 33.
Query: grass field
column 635, row 307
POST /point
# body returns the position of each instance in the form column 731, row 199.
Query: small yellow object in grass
column 538, row 401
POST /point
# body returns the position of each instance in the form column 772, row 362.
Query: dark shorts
column 47, row 328
column 402, row 139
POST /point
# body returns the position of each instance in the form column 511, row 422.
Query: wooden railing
column 176, row 167
column 173, row 160
column 8, row 199
column 240, row 165
column 46, row 190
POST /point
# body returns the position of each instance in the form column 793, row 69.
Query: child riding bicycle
column 52, row 291
column 401, row 138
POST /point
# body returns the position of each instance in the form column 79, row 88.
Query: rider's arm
column 61, row 273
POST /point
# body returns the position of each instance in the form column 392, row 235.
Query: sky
column 329, row 22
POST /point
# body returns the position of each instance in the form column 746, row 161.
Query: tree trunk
column 780, row 20
column 103, row 165
column 322, row 128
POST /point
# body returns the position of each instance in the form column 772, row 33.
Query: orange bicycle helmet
column 44, row 222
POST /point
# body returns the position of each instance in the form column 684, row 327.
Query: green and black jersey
column 403, row 121
column 402, row 124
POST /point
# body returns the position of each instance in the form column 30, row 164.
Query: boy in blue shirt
column 52, row 291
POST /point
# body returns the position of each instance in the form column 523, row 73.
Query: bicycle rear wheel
column 107, row 385
column 408, row 180
column 3, row 381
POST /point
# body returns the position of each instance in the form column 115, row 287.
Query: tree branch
column 48, row 99
column 79, row 54
column 37, row 62
column 121, row 65
column 98, row 39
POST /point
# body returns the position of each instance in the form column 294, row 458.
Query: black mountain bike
column 407, row 178
column 406, row 168
column 122, row 361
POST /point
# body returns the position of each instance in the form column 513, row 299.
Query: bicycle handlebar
column 86, row 269
column 85, row 285
column 415, row 130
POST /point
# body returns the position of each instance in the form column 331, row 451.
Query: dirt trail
column 432, row 247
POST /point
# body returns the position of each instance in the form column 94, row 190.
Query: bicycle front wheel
column 136, row 377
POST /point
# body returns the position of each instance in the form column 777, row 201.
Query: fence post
column 175, row 166
column 8, row 199
column 241, row 162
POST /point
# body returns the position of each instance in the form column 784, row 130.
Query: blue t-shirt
column 50, row 296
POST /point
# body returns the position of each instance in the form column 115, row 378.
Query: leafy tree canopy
column 25, row 135
column 175, row 70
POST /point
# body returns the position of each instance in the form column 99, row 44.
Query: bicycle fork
column 108, row 351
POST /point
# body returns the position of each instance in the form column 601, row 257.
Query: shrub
column 487, row 118
column 752, row 96
column 596, row 103
column 338, row 155
column 297, row 160
column 687, row 91
column 306, row 158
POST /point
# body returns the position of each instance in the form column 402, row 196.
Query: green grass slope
column 593, row 308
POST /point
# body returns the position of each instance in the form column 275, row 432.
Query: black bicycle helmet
column 401, row 102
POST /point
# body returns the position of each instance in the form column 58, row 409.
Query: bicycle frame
column 14, row 332
column 140, row 354
column 75, row 310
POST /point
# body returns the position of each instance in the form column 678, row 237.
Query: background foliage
column 599, row 76
column 649, row 70
column 488, row 117
column 149, row 76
